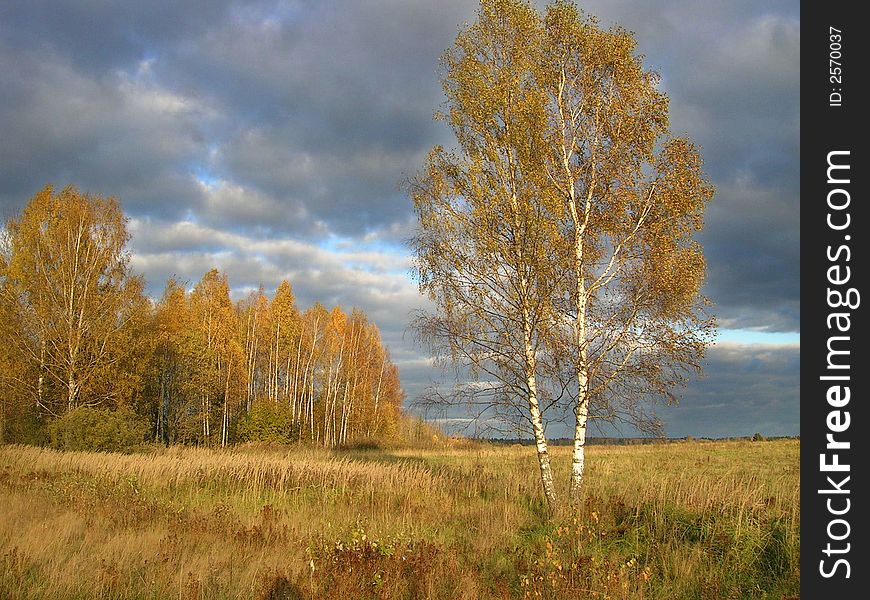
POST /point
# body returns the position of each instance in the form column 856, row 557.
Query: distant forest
column 87, row 360
column 642, row 441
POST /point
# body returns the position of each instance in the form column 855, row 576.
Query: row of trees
column 78, row 332
column 323, row 374
column 557, row 240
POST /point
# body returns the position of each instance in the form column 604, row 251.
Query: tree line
column 194, row 367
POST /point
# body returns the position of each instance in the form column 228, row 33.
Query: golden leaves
column 568, row 211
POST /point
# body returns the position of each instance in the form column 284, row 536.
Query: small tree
column 268, row 422
column 98, row 430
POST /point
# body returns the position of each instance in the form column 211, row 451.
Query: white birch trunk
column 578, row 453
column 296, row 374
column 537, row 421
column 580, row 223
column 377, row 396
column 541, row 445
column 225, row 419
column 581, row 408
column 40, row 382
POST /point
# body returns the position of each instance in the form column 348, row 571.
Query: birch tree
column 16, row 376
column 166, row 373
column 66, row 278
column 482, row 249
column 254, row 325
column 215, row 319
column 78, row 331
column 283, row 344
column 557, row 241
column 632, row 197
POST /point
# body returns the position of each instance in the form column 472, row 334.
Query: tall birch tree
column 215, row 318
column 632, row 198
column 557, row 241
column 67, row 279
column 482, row 248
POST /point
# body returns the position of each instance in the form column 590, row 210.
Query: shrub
column 364, row 567
column 25, row 426
column 267, row 422
column 418, row 433
column 96, row 429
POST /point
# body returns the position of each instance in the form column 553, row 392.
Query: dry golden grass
column 250, row 474
column 681, row 520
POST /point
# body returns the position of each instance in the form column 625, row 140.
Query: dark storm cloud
column 754, row 258
column 118, row 134
column 351, row 191
column 338, row 101
column 747, row 88
column 747, row 389
column 269, row 138
column 320, row 108
column 103, row 36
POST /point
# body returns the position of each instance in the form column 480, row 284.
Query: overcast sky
column 269, row 139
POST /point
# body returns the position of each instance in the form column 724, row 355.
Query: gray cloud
column 731, row 70
column 752, row 245
column 117, row 134
column 268, row 138
column 746, row 389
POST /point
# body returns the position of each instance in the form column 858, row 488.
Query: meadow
column 693, row 519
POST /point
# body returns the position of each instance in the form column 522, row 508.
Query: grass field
column 676, row 520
